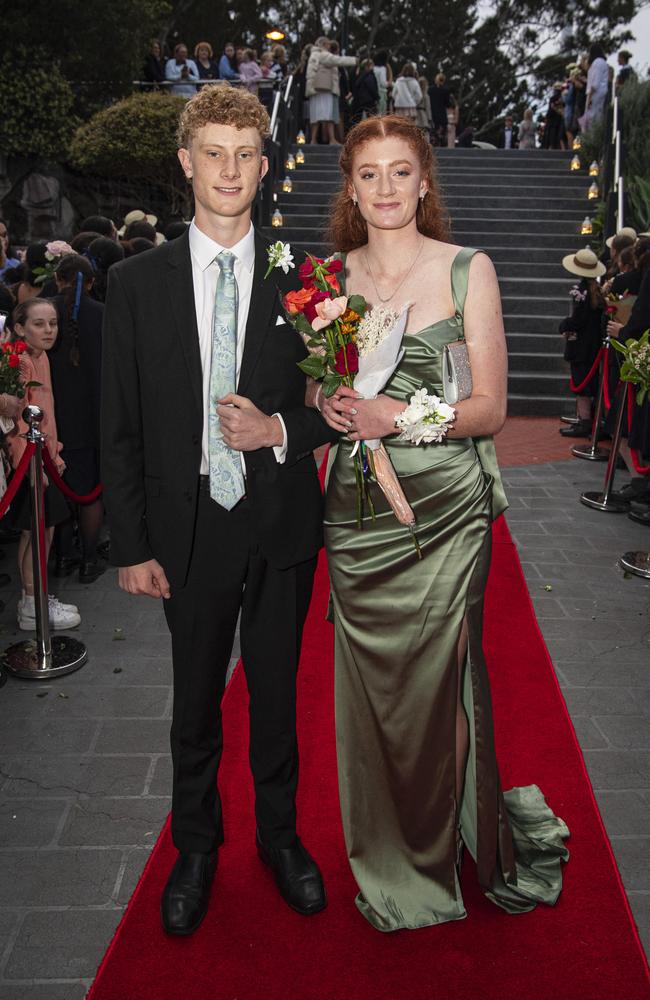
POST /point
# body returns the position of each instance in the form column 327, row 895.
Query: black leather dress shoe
column 580, row 430
column 187, row 893
column 297, row 876
column 90, row 569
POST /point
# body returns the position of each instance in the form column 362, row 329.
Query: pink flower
column 58, row 248
column 328, row 310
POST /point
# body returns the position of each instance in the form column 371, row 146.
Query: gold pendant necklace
column 372, row 277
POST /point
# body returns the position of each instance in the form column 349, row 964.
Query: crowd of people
column 612, row 298
column 52, row 301
column 183, row 75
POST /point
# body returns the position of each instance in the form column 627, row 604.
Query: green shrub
column 135, row 138
column 36, row 103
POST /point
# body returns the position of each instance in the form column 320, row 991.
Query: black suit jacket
column 515, row 138
column 152, row 415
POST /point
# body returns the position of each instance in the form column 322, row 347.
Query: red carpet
column 252, row 947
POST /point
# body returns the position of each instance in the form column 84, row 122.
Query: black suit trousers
column 228, row 573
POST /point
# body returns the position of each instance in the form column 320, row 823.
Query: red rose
column 13, row 361
column 335, row 266
column 7, row 348
column 309, row 308
column 352, row 360
column 20, row 347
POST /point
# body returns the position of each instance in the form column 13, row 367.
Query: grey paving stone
column 625, row 731
column 67, row 775
column 74, row 877
column 624, row 813
column 114, row 821
column 161, row 781
column 72, row 700
column 30, row 822
column 600, row 670
column 641, row 696
column 125, row 670
column 600, row 701
column 633, row 859
column 8, row 922
column 61, row 944
column 46, row 735
column 42, row 991
column 589, row 736
column 133, row 736
column 640, row 904
column 135, row 863
column 579, row 628
column 548, row 607
column 586, row 607
column 611, row 769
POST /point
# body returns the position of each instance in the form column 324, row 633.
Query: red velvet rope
column 636, row 461
column 65, row 489
column 592, row 372
column 606, row 397
column 17, row 478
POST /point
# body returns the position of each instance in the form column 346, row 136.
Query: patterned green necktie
column 226, row 476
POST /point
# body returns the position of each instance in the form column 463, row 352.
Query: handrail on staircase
column 613, row 181
column 284, row 124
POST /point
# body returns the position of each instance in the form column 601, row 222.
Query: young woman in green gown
column 417, row 768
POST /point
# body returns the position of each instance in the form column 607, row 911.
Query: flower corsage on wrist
column 426, row 420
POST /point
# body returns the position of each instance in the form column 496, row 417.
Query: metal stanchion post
column 591, row 451
column 44, row 657
column 604, row 500
column 637, row 563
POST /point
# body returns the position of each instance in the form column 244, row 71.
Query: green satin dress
column 397, row 625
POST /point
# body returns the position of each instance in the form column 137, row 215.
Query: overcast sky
column 640, row 48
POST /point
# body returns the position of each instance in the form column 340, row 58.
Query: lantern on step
column 300, row 138
column 575, row 162
column 276, row 219
column 592, row 193
column 290, row 163
column 287, row 185
column 577, row 143
column 594, row 168
column 300, row 157
column 586, row 229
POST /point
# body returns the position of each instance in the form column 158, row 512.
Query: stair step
column 535, row 343
column 538, row 383
column 540, row 405
column 538, row 361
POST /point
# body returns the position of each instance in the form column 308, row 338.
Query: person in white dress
column 597, row 87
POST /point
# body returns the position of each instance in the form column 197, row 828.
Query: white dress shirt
column 205, row 272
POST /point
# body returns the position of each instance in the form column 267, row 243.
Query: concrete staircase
column 524, row 208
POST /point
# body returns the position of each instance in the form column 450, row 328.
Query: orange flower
column 295, row 302
column 333, row 282
column 349, row 316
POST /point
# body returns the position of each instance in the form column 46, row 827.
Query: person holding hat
column 583, row 333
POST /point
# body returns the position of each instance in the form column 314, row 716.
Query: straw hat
column 585, row 263
column 625, row 231
column 136, row 215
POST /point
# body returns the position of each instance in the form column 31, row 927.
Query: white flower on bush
column 426, row 419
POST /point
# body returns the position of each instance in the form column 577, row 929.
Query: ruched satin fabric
column 397, row 623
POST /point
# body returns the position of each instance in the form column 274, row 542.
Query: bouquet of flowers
column 53, row 253
column 350, row 345
column 10, row 380
column 635, row 367
column 619, row 307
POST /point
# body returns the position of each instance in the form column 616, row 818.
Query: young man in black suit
column 212, row 493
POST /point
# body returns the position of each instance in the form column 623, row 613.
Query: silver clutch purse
column 456, row 372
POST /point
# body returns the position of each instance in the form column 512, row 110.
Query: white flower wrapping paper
column 376, row 368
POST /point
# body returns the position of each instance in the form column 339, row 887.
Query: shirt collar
column 204, row 249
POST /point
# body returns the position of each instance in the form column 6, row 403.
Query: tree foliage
column 36, row 102
column 98, row 46
column 135, row 138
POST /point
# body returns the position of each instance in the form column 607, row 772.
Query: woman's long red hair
column 347, row 228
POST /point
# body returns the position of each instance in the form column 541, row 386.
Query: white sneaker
column 62, row 616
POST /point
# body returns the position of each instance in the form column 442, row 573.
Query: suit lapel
column 181, row 294
column 263, row 298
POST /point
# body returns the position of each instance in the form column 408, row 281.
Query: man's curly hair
column 221, row 104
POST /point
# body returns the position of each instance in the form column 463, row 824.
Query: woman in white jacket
column 597, row 87
column 407, row 95
column 322, row 87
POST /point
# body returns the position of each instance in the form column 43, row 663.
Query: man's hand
column 614, row 328
column 144, row 578
column 244, row 427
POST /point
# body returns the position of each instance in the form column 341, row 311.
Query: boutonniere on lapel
column 280, row 256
